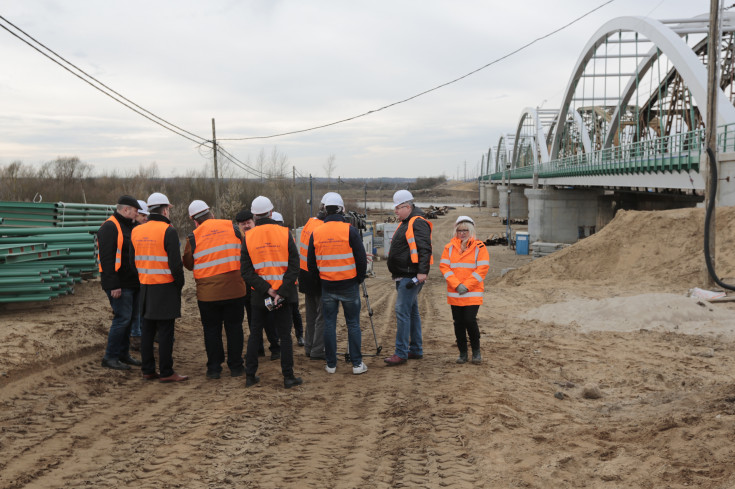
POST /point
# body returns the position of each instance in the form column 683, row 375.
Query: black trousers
column 164, row 329
column 465, row 323
column 279, row 319
column 298, row 325
column 270, row 331
column 214, row 314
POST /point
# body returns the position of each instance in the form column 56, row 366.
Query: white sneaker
column 360, row 369
column 330, row 370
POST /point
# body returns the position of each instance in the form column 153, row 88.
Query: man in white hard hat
column 337, row 255
column 409, row 260
column 270, row 265
column 161, row 273
column 212, row 251
column 135, row 328
column 119, row 280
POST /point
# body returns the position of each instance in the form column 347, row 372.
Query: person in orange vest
column 337, row 255
column 135, row 328
column 464, row 264
column 311, row 288
column 161, row 273
column 212, row 251
column 119, row 280
column 298, row 324
column 270, row 265
column 409, row 260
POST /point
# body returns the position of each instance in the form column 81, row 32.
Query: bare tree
column 329, row 167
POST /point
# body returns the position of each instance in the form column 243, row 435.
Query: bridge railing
column 674, row 153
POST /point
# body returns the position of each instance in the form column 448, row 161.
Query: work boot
column 476, row 357
column 291, row 381
column 251, row 380
column 462, row 357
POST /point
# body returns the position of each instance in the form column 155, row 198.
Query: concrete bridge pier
column 491, row 194
column 561, row 215
column 517, row 200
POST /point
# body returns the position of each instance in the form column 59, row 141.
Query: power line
column 497, row 60
column 140, row 112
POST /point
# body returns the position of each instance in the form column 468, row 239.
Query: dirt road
column 665, row 418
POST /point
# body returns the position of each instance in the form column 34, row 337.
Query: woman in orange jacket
column 464, row 264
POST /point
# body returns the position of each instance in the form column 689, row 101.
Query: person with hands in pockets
column 464, row 264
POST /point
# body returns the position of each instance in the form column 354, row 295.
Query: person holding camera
column 464, row 264
column 270, row 265
column 409, row 260
column 212, row 251
column 337, row 255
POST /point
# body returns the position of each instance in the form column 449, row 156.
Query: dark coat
column 163, row 301
column 399, row 257
column 358, row 251
column 127, row 276
column 261, row 286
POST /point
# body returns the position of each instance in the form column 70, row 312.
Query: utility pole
column 713, row 89
column 216, row 175
column 293, row 196
column 311, row 195
column 465, row 170
column 366, row 198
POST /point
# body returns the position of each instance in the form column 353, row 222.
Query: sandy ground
column 598, row 372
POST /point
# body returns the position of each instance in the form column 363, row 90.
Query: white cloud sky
column 265, row 67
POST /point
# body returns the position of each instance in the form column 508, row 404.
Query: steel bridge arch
column 692, row 71
column 541, row 150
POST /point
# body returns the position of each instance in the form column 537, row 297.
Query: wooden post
column 293, row 196
column 713, row 89
column 216, row 175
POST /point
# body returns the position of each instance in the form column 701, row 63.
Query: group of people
column 252, row 268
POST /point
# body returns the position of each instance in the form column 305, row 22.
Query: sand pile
column 662, row 249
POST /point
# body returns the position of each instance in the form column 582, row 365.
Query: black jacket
column 127, row 276
column 261, row 286
column 358, row 251
column 399, row 257
column 163, row 301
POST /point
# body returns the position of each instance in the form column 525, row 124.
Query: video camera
column 357, row 220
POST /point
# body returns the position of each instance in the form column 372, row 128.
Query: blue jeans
column 408, row 319
column 350, row 299
column 124, row 309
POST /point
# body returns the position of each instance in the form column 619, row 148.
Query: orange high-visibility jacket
column 118, row 251
column 411, row 239
column 151, row 259
column 217, row 248
column 268, row 249
column 334, row 257
column 468, row 268
column 309, row 228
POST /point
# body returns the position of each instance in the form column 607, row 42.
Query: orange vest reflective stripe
column 468, row 268
column 309, row 228
column 334, row 256
column 151, row 259
column 412, row 239
column 217, row 248
column 118, row 251
column 268, row 249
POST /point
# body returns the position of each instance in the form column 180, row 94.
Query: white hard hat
column 156, row 199
column 261, row 205
column 277, row 216
column 143, row 208
column 197, row 207
column 464, row 219
column 333, row 198
column 400, row 197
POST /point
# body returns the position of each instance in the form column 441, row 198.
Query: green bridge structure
column 629, row 134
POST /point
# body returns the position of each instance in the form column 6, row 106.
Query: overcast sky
column 266, row 67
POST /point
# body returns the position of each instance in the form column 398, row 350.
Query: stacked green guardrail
column 45, row 248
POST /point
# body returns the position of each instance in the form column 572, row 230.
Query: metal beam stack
column 45, row 248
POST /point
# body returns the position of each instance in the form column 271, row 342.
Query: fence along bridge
column 629, row 132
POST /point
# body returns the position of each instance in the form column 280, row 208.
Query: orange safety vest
column 118, row 251
column 309, row 228
column 468, row 268
column 412, row 240
column 334, row 257
column 268, row 249
column 217, row 248
column 151, row 258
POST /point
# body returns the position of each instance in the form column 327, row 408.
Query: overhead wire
column 495, row 61
column 164, row 123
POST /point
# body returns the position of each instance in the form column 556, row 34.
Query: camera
column 413, row 283
column 272, row 305
column 357, row 220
